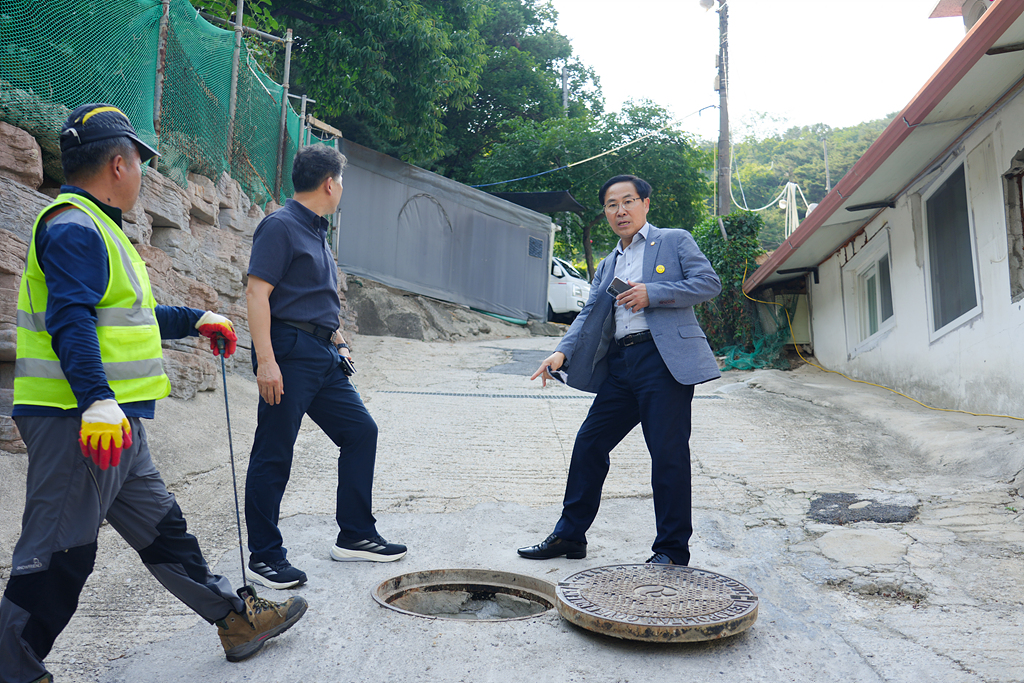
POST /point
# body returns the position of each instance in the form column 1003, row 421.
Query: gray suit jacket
column 687, row 278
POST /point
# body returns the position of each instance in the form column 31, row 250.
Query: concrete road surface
column 922, row 583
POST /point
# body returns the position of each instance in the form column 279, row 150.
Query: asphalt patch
column 835, row 508
column 524, row 362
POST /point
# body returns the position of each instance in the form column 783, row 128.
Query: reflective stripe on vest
column 126, row 326
column 105, row 317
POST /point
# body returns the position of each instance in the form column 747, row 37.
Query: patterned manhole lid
column 657, row 602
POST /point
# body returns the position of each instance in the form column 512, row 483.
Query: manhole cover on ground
column 466, row 594
column 656, row 602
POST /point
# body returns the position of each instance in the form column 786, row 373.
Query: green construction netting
column 771, row 335
column 58, row 54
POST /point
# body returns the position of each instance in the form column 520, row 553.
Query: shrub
column 730, row 319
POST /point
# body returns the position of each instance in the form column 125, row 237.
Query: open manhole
column 657, row 602
column 466, row 594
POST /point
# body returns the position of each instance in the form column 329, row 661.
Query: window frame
column 934, row 334
column 1013, row 203
column 855, row 274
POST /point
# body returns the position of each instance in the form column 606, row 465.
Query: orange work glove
column 214, row 327
column 105, row 433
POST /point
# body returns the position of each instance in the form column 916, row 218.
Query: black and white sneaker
column 374, row 549
column 280, row 574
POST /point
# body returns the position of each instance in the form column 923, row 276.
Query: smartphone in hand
column 618, row 287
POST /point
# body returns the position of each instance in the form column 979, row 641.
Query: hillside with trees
column 472, row 89
column 764, row 163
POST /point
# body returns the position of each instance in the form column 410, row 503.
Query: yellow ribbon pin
column 660, row 269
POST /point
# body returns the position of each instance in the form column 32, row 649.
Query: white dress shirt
column 629, row 267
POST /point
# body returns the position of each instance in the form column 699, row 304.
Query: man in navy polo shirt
column 301, row 363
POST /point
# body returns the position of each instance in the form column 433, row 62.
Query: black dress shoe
column 660, row 558
column 553, row 546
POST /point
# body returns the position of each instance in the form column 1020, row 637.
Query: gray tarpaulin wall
column 417, row 231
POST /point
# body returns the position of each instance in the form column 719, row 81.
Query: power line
column 598, row 156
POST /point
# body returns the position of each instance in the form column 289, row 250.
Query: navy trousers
column 639, row 389
column 314, row 385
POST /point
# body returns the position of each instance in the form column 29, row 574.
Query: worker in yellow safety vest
column 89, row 368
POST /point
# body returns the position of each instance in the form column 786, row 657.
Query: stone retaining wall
column 195, row 242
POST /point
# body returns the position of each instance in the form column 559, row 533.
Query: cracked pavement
column 471, row 464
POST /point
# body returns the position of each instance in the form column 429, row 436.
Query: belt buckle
column 635, row 338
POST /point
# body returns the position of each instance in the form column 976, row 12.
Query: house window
column 1013, row 191
column 875, row 292
column 867, row 284
column 952, row 278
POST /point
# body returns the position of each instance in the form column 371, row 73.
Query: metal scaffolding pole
column 161, row 61
column 233, row 99
column 282, row 135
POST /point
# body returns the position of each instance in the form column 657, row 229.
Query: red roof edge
column 999, row 17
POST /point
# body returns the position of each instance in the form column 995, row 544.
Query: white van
column 567, row 292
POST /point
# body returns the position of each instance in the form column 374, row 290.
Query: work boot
column 243, row 635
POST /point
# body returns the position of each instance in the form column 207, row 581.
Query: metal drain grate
column 587, row 397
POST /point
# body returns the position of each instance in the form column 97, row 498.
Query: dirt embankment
column 382, row 311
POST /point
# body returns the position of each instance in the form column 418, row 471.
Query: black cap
column 94, row 122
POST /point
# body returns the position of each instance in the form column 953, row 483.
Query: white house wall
column 977, row 366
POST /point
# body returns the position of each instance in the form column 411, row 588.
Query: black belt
column 635, row 338
column 316, row 330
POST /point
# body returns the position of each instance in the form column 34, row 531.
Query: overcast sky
column 838, row 62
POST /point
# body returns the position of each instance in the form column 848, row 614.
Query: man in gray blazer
column 641, row 351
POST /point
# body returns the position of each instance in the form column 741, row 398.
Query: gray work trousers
column 67, row 498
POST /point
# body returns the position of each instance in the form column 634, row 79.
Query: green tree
column 429, row 81
column 256, row 13
column 661, row 153
column 520, row 79
column 386, row 71
column 728, row 319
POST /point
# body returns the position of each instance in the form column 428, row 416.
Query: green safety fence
column 59, row 54
column 772, row 333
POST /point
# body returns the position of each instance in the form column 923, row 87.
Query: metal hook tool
column 247, row 589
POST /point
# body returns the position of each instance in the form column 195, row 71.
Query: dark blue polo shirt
column 290, row 252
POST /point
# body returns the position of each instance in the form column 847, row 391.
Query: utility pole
column 724, row 155
column 828, row 180
column 565, row 91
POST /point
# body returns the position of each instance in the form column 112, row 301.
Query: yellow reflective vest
column 126, row 326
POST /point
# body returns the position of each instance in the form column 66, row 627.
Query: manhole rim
column 521, row 585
